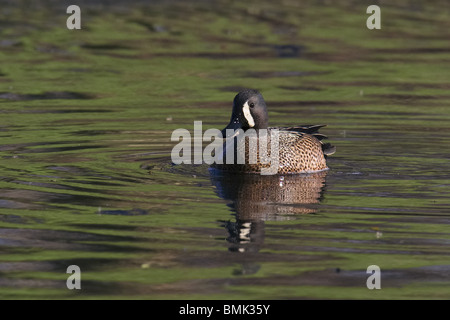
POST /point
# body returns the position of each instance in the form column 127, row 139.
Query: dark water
column 86, row 177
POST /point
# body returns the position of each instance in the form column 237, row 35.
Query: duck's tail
column 327, row 148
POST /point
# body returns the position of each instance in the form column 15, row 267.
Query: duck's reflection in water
column 256, row 198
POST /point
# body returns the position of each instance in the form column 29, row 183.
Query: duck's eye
column 252, row 105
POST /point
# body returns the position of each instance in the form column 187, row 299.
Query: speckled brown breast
column 298, row 153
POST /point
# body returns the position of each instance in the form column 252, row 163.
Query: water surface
column 86, row 177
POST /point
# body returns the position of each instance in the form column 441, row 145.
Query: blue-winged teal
column 300, row 148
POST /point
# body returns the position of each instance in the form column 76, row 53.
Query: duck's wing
column 309, row 129
column 313, row 130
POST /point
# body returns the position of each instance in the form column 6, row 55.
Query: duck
column 300, row 148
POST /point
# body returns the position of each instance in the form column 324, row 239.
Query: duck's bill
column 230, row 130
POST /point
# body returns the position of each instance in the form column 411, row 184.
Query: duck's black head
column 249, row 111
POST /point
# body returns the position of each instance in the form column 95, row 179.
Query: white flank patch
column 248, row 115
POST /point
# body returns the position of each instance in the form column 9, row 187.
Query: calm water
column 86, row 177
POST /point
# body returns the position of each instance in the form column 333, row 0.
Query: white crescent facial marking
column 248, row 115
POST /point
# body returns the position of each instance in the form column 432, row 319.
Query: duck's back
column 298, row 152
